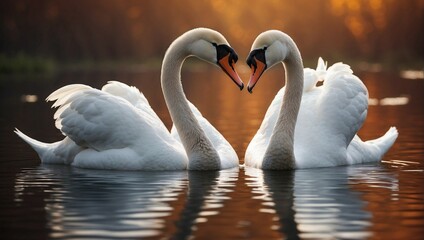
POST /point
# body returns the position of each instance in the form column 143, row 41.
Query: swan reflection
column 207, row 193
column 318, row 203
column 86, row 203
column 83, row 203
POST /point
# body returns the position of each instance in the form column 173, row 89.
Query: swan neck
column 280, row 151
column 201, row 154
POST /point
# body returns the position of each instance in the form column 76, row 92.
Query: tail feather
column 385, row 142
column 38, row 146
column 61, row 152
column 372, row 150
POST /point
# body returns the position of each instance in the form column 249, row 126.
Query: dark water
column 373, row 201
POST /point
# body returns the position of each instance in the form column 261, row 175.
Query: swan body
column 115, row 128
column 309, row 126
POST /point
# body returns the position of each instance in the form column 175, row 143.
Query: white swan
column 115, row 128
column 308, row 126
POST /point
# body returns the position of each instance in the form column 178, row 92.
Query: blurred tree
column 95, row 29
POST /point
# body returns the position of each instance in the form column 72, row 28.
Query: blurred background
column 45, row 34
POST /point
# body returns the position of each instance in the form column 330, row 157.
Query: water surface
column 373, row 201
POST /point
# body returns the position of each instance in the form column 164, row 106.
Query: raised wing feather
column 133, row 96
column 329, row 118
column 99, row 120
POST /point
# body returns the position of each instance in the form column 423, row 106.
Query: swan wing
column 134, row 96
column 98, row 120
column 329, row 118
column 115, row 134
column 129, row 93
column 227, row 154
column 344, row 102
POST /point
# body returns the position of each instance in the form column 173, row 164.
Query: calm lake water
column 373, row 201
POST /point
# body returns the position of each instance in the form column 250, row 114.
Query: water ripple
column 81, row 203
column 102, row 204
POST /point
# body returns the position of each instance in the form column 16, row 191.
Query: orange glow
column 138, row 30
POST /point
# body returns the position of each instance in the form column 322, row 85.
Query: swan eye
column 265, row 48
column 225, row 50
column 214, row 44
column 256, row 55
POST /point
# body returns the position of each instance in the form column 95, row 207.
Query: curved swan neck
column 199, row 149
column 280, row 151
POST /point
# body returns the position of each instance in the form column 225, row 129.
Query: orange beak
column 256, row 74
column 228, row 68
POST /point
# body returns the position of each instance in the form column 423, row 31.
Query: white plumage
column 115, row 128
column 105, row 131
column 327, row 122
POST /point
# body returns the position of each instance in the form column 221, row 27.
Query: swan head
column 268, row 49
column 211, row 46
